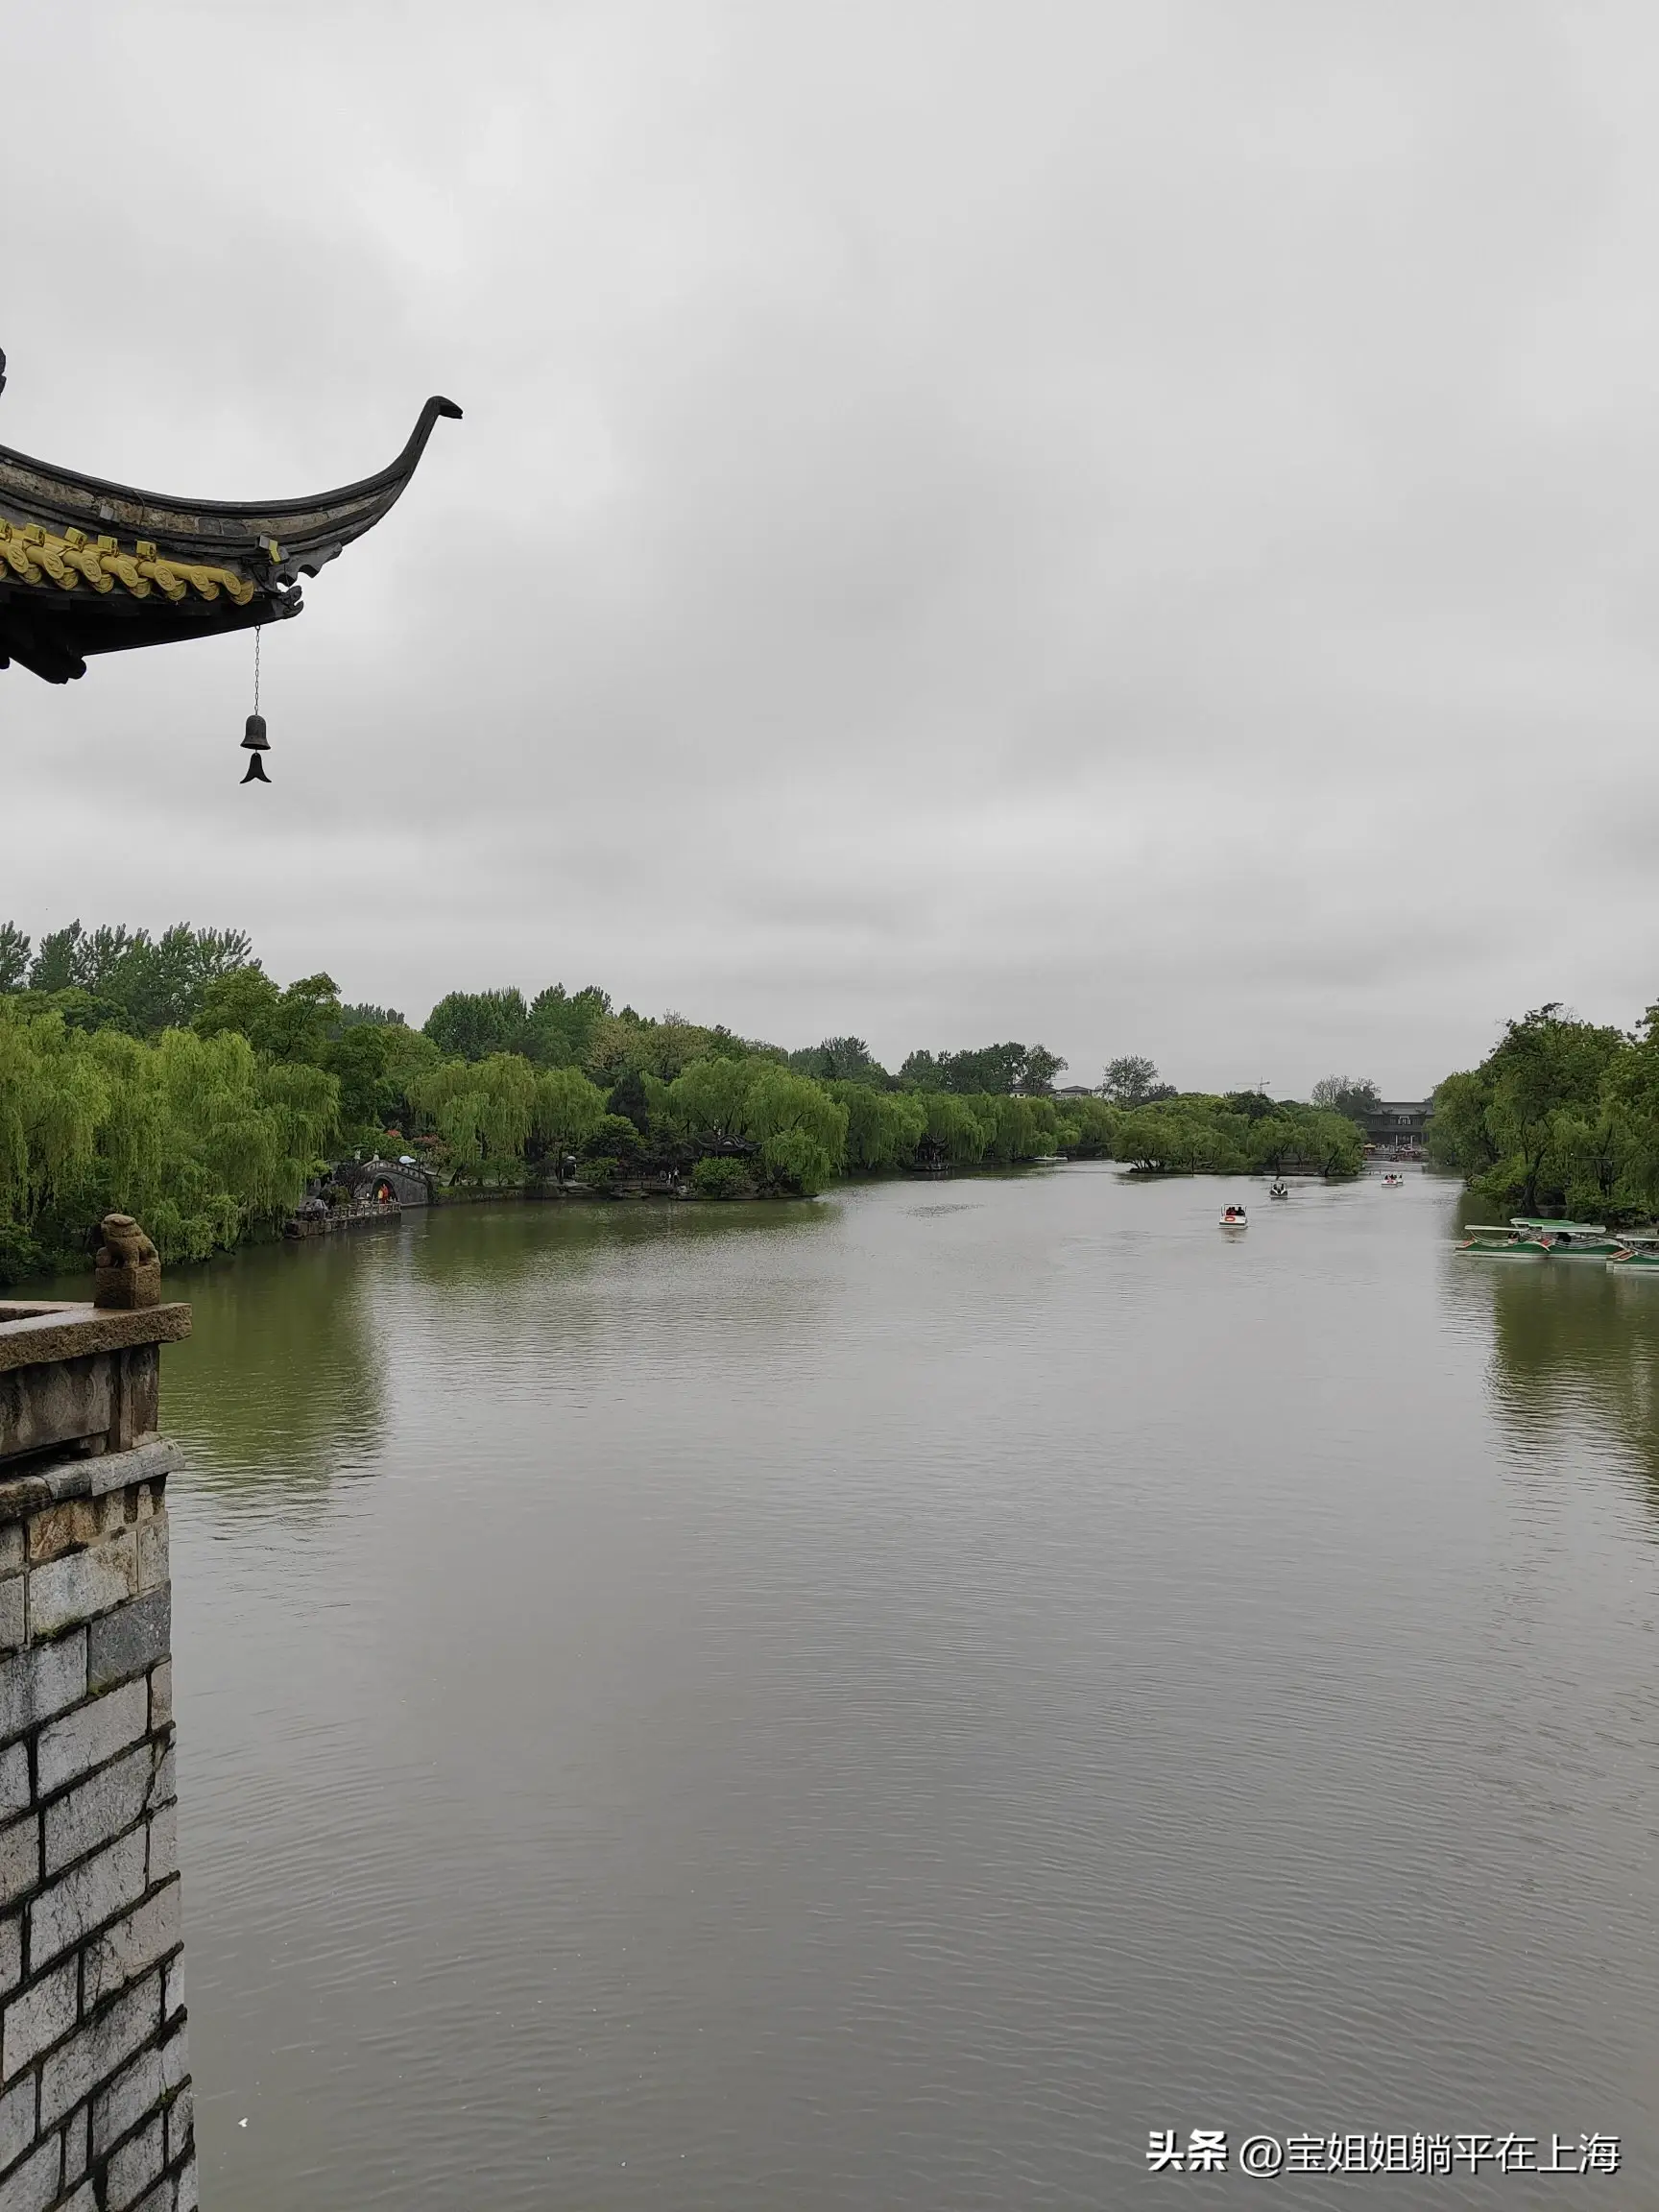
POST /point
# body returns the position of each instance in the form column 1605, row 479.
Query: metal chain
column 259, row 635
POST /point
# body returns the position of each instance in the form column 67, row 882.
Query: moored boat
column 1490, row 1240
column 1636, row 1255
column 1568, row 1239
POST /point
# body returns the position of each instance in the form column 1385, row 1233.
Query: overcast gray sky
column 1127, row 525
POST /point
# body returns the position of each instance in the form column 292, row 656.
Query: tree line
column 172, row 1077
column 1562, row 1117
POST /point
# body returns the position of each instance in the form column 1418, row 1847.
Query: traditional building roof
column 87, row 566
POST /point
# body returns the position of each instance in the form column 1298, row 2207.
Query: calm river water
column 886, row 1703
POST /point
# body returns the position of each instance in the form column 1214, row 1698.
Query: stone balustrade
column 95, row 2099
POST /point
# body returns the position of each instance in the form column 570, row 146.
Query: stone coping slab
column 34, row 1332
column 87, row 1478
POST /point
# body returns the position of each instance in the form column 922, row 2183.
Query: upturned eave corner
column 88, row 565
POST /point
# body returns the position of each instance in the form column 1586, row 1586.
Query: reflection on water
column 282, row 1385
column 886, row 1702
column 1574, row 1352
column 493, row 1248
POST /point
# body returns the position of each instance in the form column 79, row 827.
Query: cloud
column 1125, row 527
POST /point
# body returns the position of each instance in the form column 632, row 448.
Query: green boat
column 1529, row 1236
column 1636, row 1255
column 1569, row 1239
column 1490, row 1240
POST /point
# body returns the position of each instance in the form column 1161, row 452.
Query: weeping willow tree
column 789, row 1127
column 707, row 1104
column 53, row 1099
column 483, row 1110
column 198, row 1136
column 883, row 1127
column 954, row 1132
column 801, row 1130
column 567, row 1110
column 1016, row 1128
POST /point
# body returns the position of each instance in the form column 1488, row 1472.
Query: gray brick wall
column 95, row 2103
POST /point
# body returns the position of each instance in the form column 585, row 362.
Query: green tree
column 840, row 1060
column 1557, row 1115
column 801, row 1130
column 1040, row 1070
column 1090, row 1128
column 987, row 1068
column 1459, row 1135
column 1253, row 1105
column 796, row 1163
column 409, row 1055
column 359, row 1060
column 614, row 1139
column 305, row 1020
column 483, row 1110
column 151, row 983
column 567, row 1108
column 14, row 950
column 883, row 1127
column 474, row 1024
column 560, row 1027
column 1017, row 1128
column 196, row 1136
column 80, row 1009
column 1148, row 1138
column 629, row 1098
column 55, row 965
column 245, row 1000
column 1187, row 1135
column 160, row 983
column 1274, row 1139
column 1333, row 1143
column 707, row 1102
column 717, row 1176
column 954, row 1134
column 1629, row 1105
column 1129, row 1080
column 298, row 1023
column 1355, row 1095
column 1544, row 1063
column 620, row 1043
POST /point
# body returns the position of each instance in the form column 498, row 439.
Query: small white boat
column 1278, row 1191
column 1393, row 1181
column 1234, row 1218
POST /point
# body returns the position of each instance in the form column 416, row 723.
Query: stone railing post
column 95, row 2103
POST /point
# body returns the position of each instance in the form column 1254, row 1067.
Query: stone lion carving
column 129, row 1269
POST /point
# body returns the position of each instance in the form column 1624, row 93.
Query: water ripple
column 842, row 1709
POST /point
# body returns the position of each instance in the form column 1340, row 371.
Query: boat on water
column 1278, row 1191
column 1393, row 1181
column 1234, row 1218
column 1496, row 1241
column 1529, row 1236
column 1636, row 1255
column 1568, row 1239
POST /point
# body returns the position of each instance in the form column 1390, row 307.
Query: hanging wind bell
column 256, row 741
